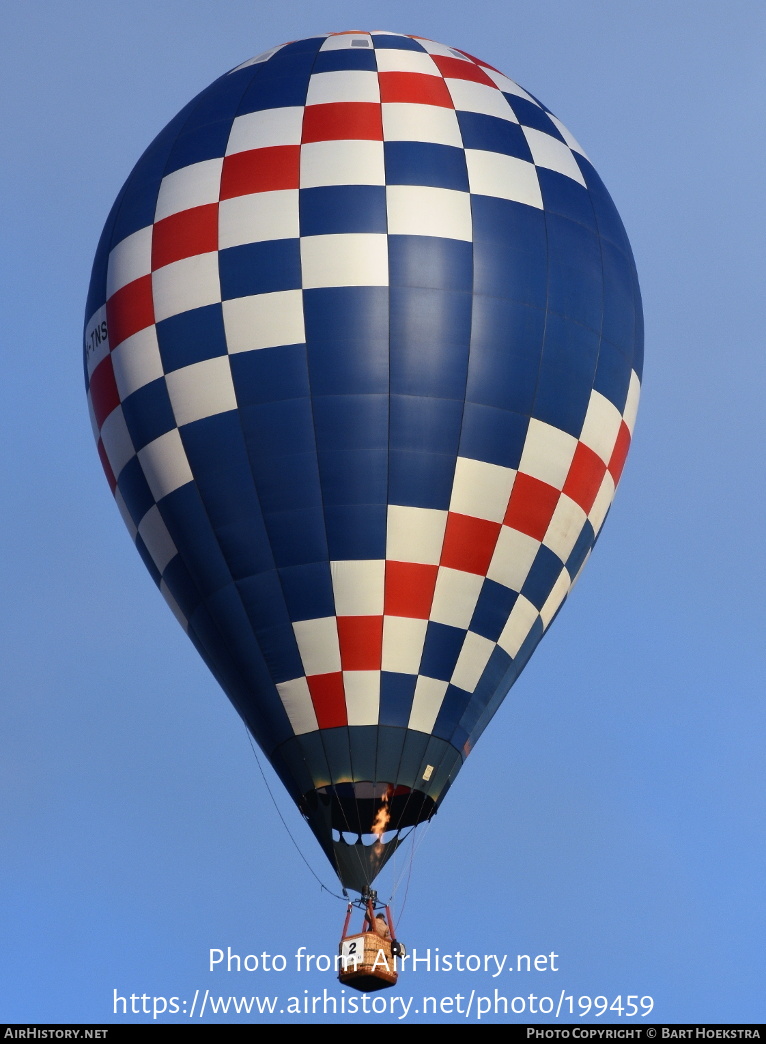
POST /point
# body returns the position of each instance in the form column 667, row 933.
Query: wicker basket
column 373, row 968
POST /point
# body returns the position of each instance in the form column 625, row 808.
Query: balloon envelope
column 363, row 347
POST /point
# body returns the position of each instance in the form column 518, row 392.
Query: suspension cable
column 321, row 884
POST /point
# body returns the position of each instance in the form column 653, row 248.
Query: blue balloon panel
column 363, row 350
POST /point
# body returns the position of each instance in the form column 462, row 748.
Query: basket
column 366, row 962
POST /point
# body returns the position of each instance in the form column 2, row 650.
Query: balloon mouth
column 366, row 808
column 360, row 825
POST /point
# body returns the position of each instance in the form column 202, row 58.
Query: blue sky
column 613, row 813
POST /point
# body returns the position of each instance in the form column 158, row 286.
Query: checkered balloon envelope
column 363, row 346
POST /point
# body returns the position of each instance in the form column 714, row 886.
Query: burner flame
column 382, row 819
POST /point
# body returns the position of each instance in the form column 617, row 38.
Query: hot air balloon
column 363, row 347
